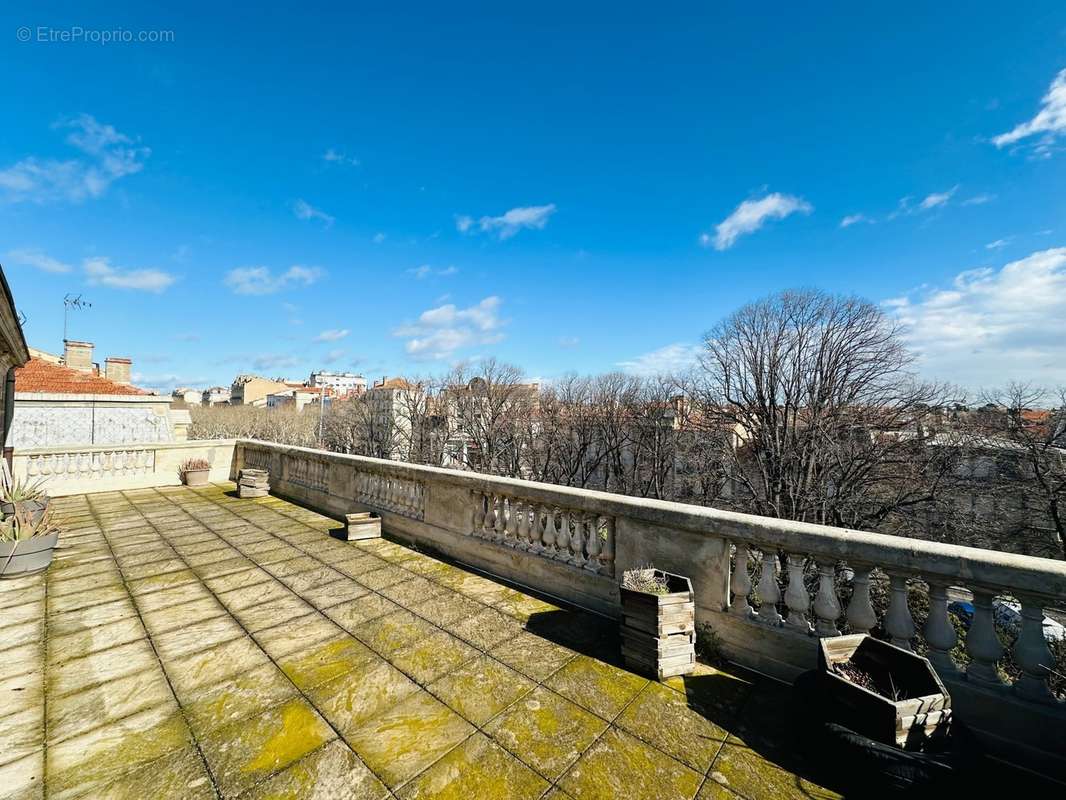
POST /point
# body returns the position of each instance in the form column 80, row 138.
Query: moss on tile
column 478, row 768
column 433, row 656
column 750, row 775
column 532, row 655
column 325, row 661
column 481, row 688
column 243, row 695
column 546, row 731
column 602, row 689
column 394, row 631
column 661, row 716
column 180, row 775
column 486, row 629
column 330, row 773
column 348, row 702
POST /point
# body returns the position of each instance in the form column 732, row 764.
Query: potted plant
column 658, row 622
column 26, row 544
column 881, row 691
column 25, row 496
column 195, row 471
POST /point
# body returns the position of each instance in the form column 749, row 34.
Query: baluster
column 607, row 550
column 898, row 621
column 478, row 523
column 511, row 531
column 562, row 536
column 826, row 604
column 500, row 520
column 982, row 644
column 550, row 532
column 938, row 632
column 593, row 542
column 1032, row 654
column 577, row 539
column 33, row 467
column 520, row 513
column 861, row 615
column 796, row 595
column 740, row 584
column 769, row 594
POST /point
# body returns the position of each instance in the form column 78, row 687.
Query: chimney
column 117, row 369
column 78, row 355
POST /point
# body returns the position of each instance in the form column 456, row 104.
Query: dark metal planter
column 33, row 508
column 30, row 556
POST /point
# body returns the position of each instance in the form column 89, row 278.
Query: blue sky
column 570, row 187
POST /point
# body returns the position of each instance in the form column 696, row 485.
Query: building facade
column 343, row 383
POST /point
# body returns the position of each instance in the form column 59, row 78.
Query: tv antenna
column 72, row 301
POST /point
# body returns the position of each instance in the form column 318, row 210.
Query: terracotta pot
column 35, row 508
column 30, row 556
column 197, row 477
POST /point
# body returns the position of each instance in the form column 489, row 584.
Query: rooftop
column 41, row 376
column 190, row 644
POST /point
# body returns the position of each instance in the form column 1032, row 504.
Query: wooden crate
column 928, row 704
column 362, row 525
column 659, row 630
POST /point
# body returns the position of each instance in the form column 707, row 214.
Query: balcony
column 187, row 643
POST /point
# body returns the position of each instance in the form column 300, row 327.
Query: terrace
column 190, row 644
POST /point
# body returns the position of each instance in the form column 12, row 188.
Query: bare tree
column 819, row 415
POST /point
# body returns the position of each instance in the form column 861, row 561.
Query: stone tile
column 22, row 692
column 358, row 564
column 447, row 607
column 170, row 618
column 255, row 595
column 390, row 551
column 392, row 632
column 108, row 665
column 154, row 568
column 243, row 753
column 533, row 656
column 196, row 636
column 172, row 596
column 351, row 614
column 27, row 633
column 90, row 597
column 546, row 731
column 478, row 768
column 413, row 590
column 73, row 714
column 386, row 576
column 225, row 553
column 618, row 765
column 661, row 716
column 155, row 583
column 79, row 765
column 318, row 575
column 749, row 775
column 296, row 635
column 716, row 693
column 74, row 585
column 241, row 579
column 477, row 587
column 275, row 612
column 23, row 778
column 72, row 621
column 242, row 695
column 200, row 669
column 331, row 594
column 431, row 657
column 138, row 554
column 178, row 775
column 218, row 568
column 407, row 738
column 329, row 774
column 522, row 606
column 486, row 629
column 293, row 566
column 325, row 661
column 21, row 733
column 348, row 704
column 480, row 689
column 602, row 689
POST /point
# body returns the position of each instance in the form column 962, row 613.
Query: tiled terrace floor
column 188, row 644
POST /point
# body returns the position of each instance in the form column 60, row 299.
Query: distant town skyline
column 565, row 188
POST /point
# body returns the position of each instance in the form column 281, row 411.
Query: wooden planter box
column 927, row 705
column 361, row 525
column 659, row 630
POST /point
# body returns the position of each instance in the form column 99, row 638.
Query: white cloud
column 998, row 243
column 937, row 199
column 667, row 360
column 854, row 219
column 304, row 210
column 261, row 280
column 100, row 273
column 751, row 215
column 334, row 335
column 107, row 155
column 426, row 271
column 1049, row 122
column 335, row 355
column 378, row 238
column 509, row 223
column 569, row 341
column 337, row 157
column 38, row 259
column 274, row 361
column 441, row 331
column 979, row 199
column 991, row 325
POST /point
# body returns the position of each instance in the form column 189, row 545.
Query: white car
column 1008, row 614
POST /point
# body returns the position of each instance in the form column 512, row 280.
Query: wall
column 61, row 420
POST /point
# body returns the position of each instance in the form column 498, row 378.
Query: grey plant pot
column 31, row 555
column 197, row 477
column 35, row 508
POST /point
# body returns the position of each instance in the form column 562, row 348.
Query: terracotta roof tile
column 38, row 375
